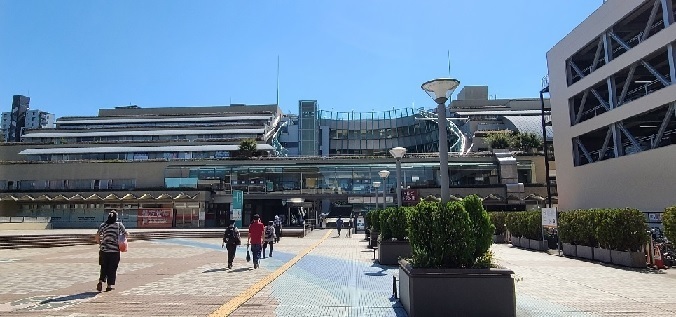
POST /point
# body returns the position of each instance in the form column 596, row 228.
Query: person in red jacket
column 255, row 238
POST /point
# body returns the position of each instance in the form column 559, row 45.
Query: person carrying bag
column 112, row 238
column 231, row 239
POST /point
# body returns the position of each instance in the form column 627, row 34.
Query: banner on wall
column 154, row 217
column 236, row 207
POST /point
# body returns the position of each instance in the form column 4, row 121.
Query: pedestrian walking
column 109, row 250
column 255, row 238
column 278, row 228
column 269, row 237
column 339, row 224
column 231, row 239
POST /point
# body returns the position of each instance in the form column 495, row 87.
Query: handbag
column 248, row 255
column 121, row 240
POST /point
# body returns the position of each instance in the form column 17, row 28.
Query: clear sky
column 75, row 57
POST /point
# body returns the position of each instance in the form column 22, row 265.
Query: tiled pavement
column 182, row 277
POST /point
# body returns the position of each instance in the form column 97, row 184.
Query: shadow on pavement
column 243, row 269
column 66, row 298
column 215, row 270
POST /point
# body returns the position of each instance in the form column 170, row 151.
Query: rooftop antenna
column 277, row 80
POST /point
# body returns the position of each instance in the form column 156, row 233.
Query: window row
column 65, row 184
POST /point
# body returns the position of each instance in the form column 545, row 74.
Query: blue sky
column 75, row 57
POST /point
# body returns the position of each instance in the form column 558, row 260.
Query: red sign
column 409, row 196
column 154, row 217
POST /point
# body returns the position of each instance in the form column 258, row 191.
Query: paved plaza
column 319, row 275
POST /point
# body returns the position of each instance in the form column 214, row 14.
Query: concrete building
column 13, row 124
column 478, row 116
column 611, row 83
column 176, row 167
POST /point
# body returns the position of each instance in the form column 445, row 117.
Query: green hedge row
column 621, row 229
column 526, row 224
column 499, row 220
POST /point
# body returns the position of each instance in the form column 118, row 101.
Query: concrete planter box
column 499, row 238
column 457, row 292
column 628, row 259
column 585, row 252
column 569, row 249
column 374, row 239
column 602, row 255
column 516, row 241
column 538, row 245
column 389, row 252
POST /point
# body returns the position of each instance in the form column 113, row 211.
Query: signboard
column 154, row 217
column 409, row 196
column 549, row 218
column 236, row 207
column 360, row 223
column 654, row 217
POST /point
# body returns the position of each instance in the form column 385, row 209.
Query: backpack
column 269, row 232
column 231, row 237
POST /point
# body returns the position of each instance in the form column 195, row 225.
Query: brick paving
column 188, row 277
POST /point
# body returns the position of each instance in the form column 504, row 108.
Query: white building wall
column 645, row 180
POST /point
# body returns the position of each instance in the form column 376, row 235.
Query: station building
column 178, row 167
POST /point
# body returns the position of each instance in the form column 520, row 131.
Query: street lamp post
column 376, row 185
column 398, row 153
column 440, row 90
column 384, row 174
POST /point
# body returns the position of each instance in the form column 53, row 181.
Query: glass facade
column 335, row 178
column 308, row 131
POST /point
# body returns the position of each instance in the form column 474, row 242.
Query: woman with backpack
column 231, row 240
column 269, row 238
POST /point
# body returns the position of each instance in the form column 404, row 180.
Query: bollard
column 394, row 287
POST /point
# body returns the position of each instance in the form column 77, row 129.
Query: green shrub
column 533, row 223
column 512, row 221
column 385, row 232
column 482, row 226
column 441, row 236
column 588, row 226
column 373, row 219
column 669, row 221
column 397, row 223
column 498, row 219
column 622, row 229
column 566, row 227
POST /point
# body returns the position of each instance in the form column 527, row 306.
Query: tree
column 247, row 148
column 525, row 141
column 498, row 140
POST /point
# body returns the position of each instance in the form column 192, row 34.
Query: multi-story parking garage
column 612, row 96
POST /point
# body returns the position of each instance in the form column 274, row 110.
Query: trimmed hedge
column 385, row 229
column 481, row 224
column 621, row 229
column 396, row 222
column 441, row 235
column 669, row 221
column 526, row 224
column 499, row 220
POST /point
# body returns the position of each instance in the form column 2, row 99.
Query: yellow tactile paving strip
column 229, row 307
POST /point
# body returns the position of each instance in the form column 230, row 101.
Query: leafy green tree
column 247, row 148
column 525, row 141
column 498, row 141
column 669, row 220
